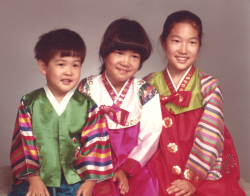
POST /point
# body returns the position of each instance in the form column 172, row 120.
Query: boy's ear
column 42, row 67
column 163, row 43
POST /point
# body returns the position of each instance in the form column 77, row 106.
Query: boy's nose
column 68, row 71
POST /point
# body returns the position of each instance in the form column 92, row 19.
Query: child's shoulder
column 150, row 76
column 208, row 84
column 33, row 94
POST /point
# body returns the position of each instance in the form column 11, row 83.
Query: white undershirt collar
column 176, row 88
column 59, row 107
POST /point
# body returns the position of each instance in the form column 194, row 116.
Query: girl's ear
column 42, row 67
column 163, row 43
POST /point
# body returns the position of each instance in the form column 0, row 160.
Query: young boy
column 60, row 137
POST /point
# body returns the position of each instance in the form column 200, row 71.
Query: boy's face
column 62, row 74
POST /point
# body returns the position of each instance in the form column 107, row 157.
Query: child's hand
column 183, row 187
column 123, row 180
column 37, row 187
column 86, row 188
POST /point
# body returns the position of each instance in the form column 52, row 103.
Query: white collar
column 59, row 107
column 176, row 88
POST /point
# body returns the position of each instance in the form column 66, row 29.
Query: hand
column 86, row 189
column 37, row 187
column 183, row 187
column 123, row 180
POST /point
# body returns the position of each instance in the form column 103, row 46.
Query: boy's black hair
column 124, row 34
column 63, row 41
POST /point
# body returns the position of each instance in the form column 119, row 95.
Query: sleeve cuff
column 131, row 167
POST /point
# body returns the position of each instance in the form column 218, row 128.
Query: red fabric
column 131, row 166
column 181, row 132
column 115, row 113
column 181, row 98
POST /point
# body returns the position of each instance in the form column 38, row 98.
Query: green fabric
column 157, row 80
column 54, row 135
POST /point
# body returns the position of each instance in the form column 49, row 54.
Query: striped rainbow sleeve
column 24, row 156
column 94, row 161
column 209, row 135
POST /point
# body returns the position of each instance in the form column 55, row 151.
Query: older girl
column 197, row 155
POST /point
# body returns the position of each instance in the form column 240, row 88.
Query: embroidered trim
column 112, row 92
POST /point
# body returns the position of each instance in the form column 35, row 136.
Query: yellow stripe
column 95, row 154
column 204, row 152
column 219, row 98
column 210, row 133
column 215, row 116
column 24, row 120
column 97, row 126
column 209, row 83
column 33, row 152
column 198, row 168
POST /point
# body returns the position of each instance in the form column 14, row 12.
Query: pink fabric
column 144, row 182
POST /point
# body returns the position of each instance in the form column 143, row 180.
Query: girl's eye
column 61, row 64
column 75, row 65
column 192, row 42
column 136, row 56
column 176, row 41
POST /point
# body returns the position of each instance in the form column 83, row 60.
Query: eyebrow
column 189, row 38
column 65, row 60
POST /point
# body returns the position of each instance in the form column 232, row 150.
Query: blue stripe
column 98, row 135
column 215, row 112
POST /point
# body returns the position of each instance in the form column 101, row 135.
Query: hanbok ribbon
column 181, row 98
column 115, row 113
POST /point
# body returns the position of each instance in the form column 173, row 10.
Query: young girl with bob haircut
column 131, row 107
column 196, row 154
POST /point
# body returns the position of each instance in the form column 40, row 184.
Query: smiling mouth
column 66, row 81
column 122, row 71
column 182, row 58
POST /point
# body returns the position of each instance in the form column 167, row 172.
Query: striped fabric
column 94, row 159
column 24, row 156
column 205, row 156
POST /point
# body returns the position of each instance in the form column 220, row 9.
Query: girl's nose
column 183, row 48
column 125, row 60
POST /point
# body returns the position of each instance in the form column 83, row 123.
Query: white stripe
column 103, row 139
column 200, row 162
column 209, row 148
column 26, row 133
column 212, row 128
column 98, row 168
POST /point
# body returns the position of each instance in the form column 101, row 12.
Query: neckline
column 117, row 98
column 183, row 82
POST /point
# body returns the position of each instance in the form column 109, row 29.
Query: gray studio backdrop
column 225, row 53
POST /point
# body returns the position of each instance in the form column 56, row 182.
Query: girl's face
column 120, row 66
column 181, row 47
